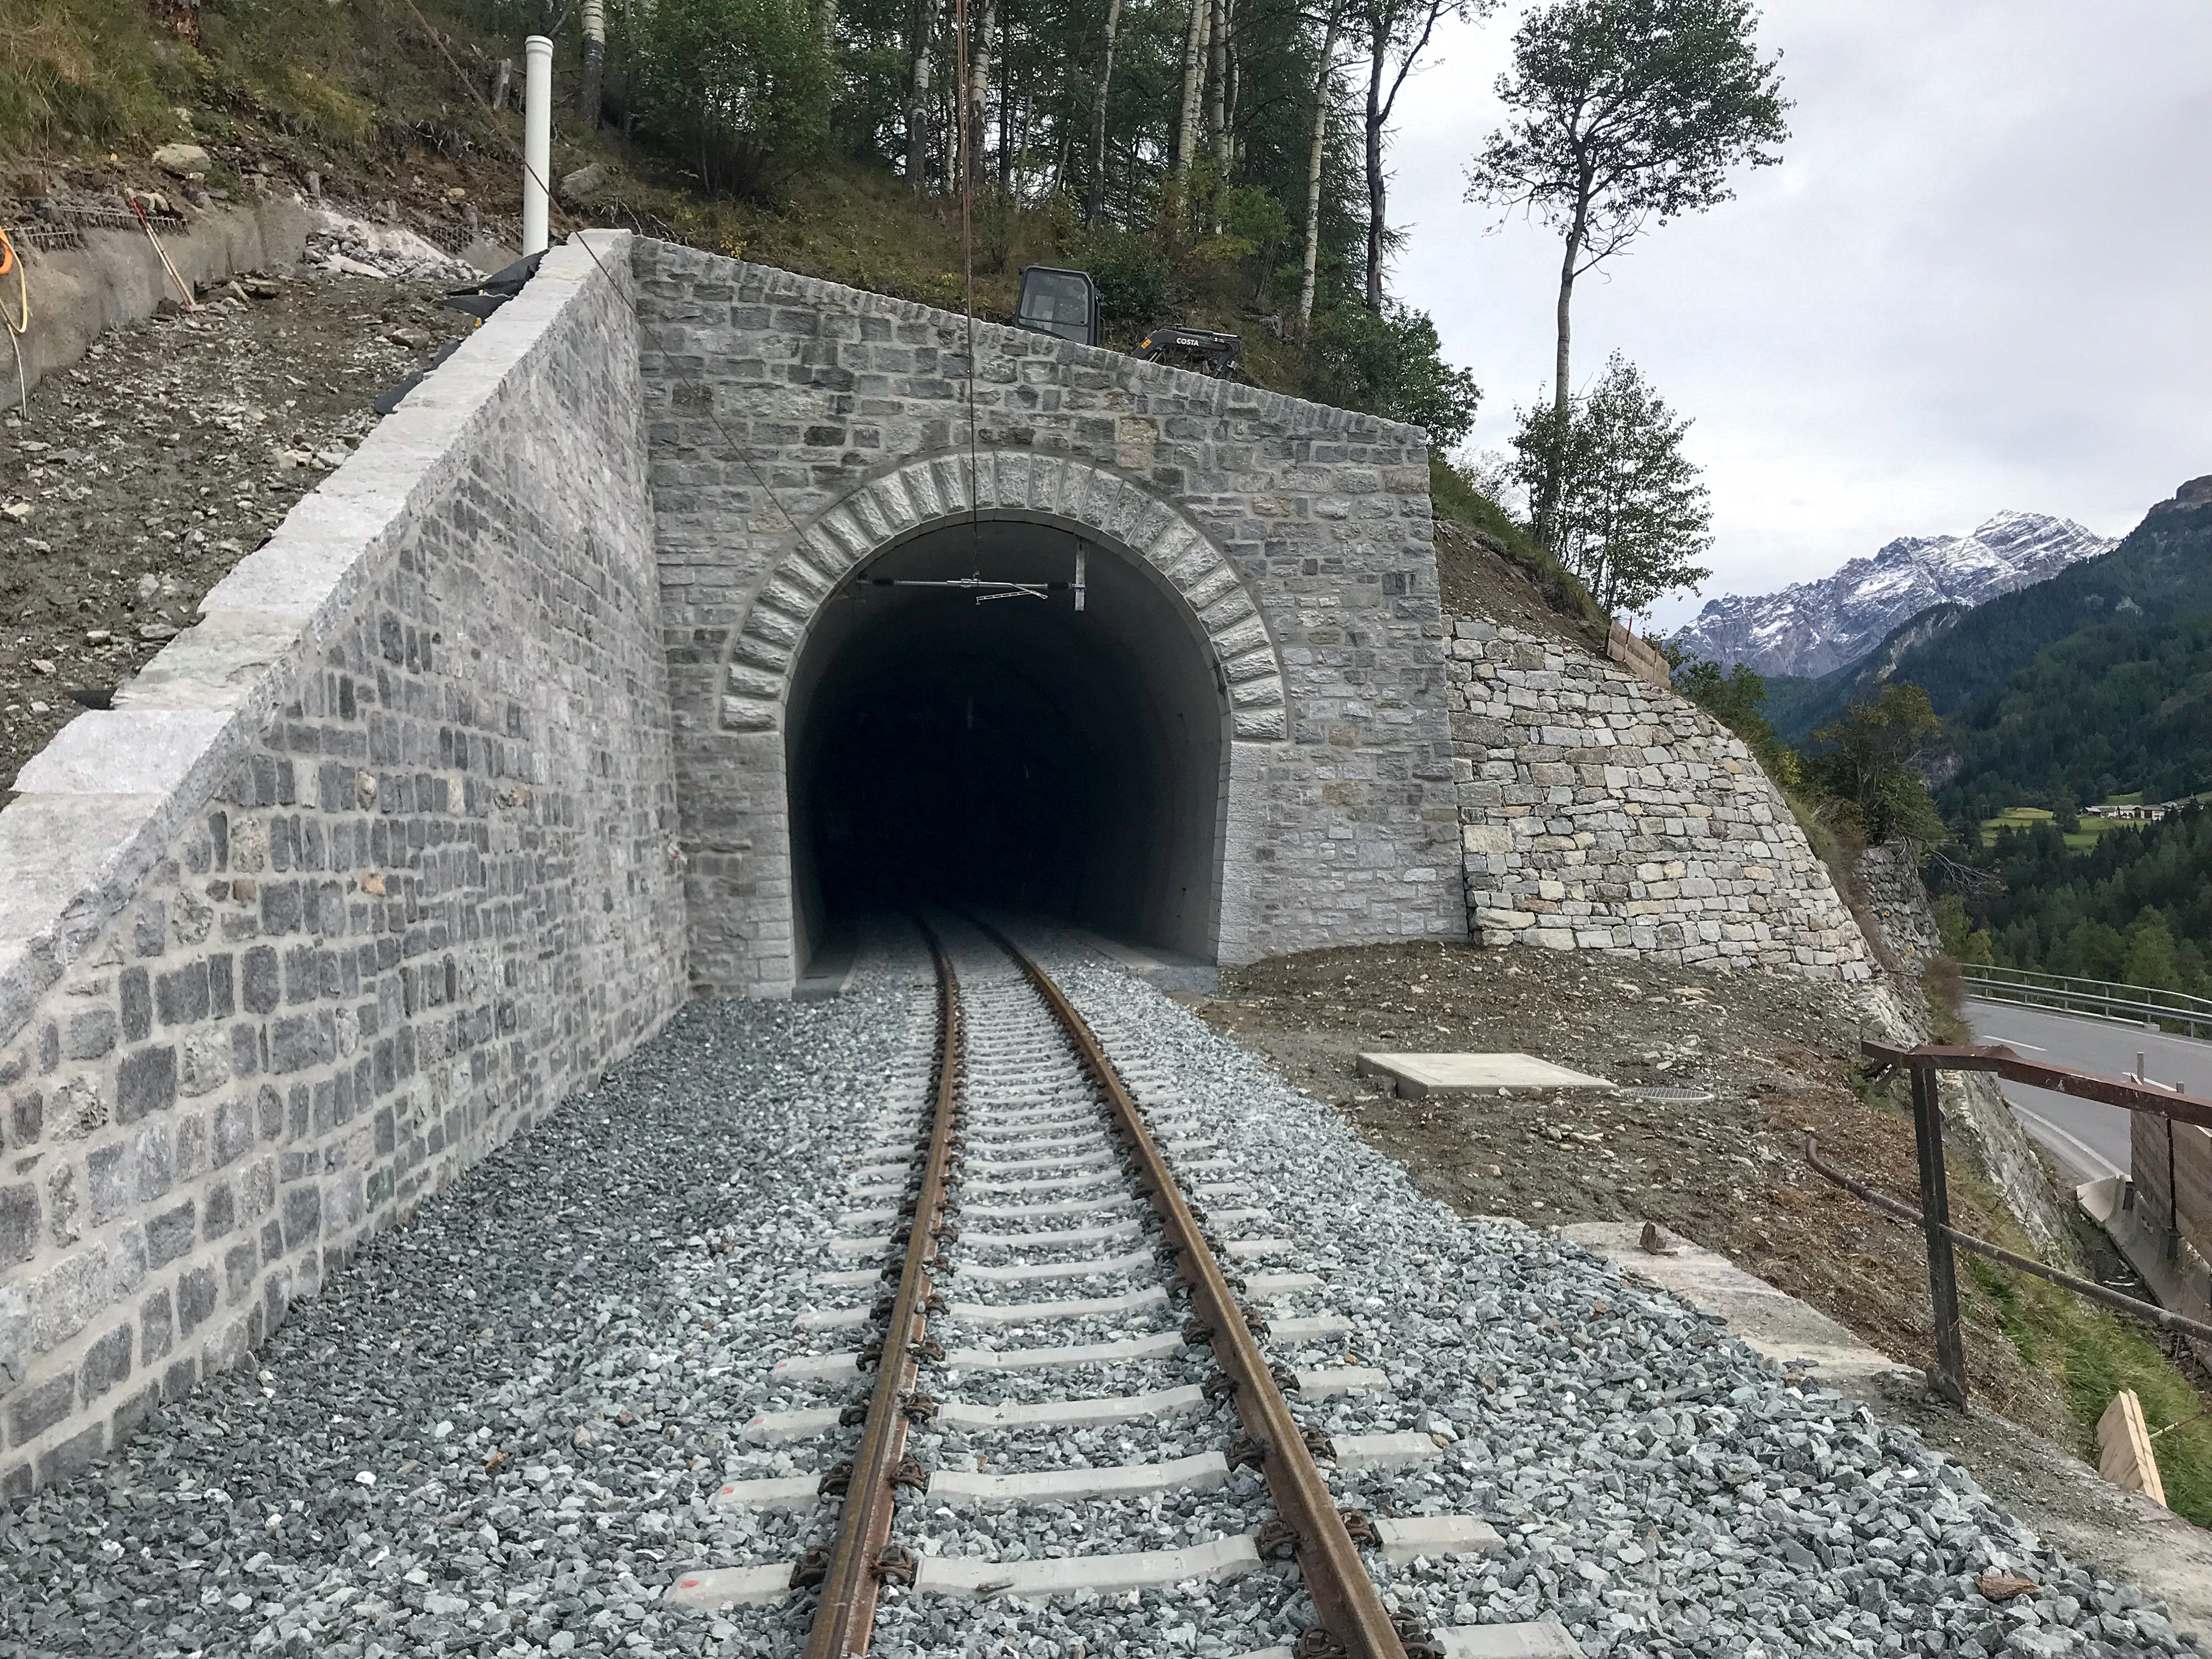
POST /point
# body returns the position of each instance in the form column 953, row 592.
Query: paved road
column 2088, row 1140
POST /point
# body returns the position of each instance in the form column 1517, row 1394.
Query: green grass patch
column 1455, row 497
column 2093, row 1355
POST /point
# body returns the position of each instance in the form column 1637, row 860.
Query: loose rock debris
column 543, row 1374
column 146, row 471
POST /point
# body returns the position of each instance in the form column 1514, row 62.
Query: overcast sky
column 1982, row 278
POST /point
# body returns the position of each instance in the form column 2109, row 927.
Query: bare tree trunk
column 921, row 18
column 1217, row 85
column 1008, row 100
column 1324, row 96
column 979, row 94
column 1094, row 199
column 500, row 78
column 1378, row 47
column 595, row 62
column 1555, row 480
column 1194, row 60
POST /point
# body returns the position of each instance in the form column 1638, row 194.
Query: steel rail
column 1345, row 1598
column 845, row 1617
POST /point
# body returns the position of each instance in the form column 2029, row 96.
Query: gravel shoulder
column 1776, row 1056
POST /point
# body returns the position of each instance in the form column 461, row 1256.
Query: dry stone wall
column 364, row 874
column 1599, row 811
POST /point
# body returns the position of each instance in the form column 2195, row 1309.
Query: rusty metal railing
column 1933, row 1214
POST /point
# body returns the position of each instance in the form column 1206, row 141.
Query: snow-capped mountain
column 1811, row 628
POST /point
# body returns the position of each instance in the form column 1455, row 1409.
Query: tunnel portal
column 1240, row 747
column 996, row 747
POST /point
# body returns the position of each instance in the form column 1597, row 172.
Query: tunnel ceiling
column 1009, row 750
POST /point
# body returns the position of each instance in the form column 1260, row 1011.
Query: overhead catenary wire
column 538, row 179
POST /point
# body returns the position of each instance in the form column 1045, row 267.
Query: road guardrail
column 2136, row 1005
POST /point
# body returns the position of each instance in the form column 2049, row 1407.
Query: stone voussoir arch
column 1076, row 495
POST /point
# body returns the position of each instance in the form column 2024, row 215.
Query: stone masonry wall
column 1300, row 536
column 364, row 874
column 1599, row 811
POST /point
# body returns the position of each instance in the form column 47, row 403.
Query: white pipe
column 537, row 143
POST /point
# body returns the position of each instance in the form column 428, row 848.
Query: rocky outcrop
column 1896, row 907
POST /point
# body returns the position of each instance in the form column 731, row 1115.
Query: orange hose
column 8, row 262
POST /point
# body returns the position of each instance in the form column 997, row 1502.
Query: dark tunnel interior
column 1008, row 752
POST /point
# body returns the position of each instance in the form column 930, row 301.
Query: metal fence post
column 1950, row 1374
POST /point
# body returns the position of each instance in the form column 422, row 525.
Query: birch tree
column 1324, row 106
column 1095, row 197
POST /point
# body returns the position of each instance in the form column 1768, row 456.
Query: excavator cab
column 1061, row 302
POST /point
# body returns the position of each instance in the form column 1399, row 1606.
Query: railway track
column 1046, row 1326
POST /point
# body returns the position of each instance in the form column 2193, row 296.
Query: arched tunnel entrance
column 1008, row 750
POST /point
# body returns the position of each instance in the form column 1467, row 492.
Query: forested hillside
column 2136, row 907
column 1221, row 161
column 2121, row 708
column 2162, row 570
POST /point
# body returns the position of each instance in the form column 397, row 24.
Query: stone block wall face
column 1600, row 812
column 427, row 891
column 1342, row 813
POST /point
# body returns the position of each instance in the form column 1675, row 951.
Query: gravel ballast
column 502, row 1428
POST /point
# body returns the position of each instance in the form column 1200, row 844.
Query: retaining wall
column 1599, row 811
column 364, row 872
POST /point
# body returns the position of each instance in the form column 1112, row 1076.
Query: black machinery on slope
column 1066, row 303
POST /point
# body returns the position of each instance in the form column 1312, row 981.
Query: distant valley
column 1813, row 628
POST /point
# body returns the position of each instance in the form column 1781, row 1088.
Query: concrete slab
column 1076, row 1307
column 1433, row 1535
column 1159, row 1346
column 1254, row 1250
column 1419, row 1075
column 1029, row 1166
column 1543, row 1638
column 1318, row 1328
column 848, row 1279
column 1319, row 1384
column 818, row 1368
column 1035, row 1271
column 1062, row 1207
column 1096, row 1174
column 1094, row 1413
column 1106, row 1575
column 1202, row 1473
column 1041, row 1240
column 1774, row 1323
column 730, row 1586
column 1266, row 1287
column 776, row 1428
column 831, row 1319
column 793, row 1494
column 1396, row 1451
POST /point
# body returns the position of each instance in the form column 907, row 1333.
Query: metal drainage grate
column 1671, row 1097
